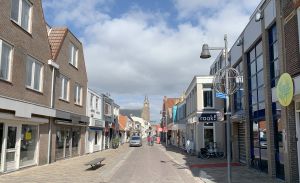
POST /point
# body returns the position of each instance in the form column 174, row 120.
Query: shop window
column 75, row 142
column 28, row 145
column 259, row 154
column 60, row 141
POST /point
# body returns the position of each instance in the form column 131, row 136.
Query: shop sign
column 208, row 117
column 285, row 89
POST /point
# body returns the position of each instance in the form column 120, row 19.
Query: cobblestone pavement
column 72, row 170
column 240, row 174
column 135, row 165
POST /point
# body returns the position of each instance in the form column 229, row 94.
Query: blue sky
column 135, row 48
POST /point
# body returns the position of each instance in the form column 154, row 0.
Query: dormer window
column 73, row 55
column 21, row 13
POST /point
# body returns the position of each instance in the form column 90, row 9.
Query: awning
column 95, row 128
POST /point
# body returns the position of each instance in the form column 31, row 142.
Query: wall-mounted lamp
column 240, row 41
column 258, row 16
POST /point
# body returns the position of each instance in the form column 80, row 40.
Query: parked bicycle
column 211, row 151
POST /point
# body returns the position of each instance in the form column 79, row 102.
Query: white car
column 135, row 141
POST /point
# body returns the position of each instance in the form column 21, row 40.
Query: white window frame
column 19, row 21
column 72, row 59
column 9, row 61
column 213, row 98
column 97, row 104
column 92, row 101
column 31, row 86
column 62, row 91
column 78, row 94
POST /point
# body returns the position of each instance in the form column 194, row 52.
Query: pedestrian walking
column 148, row 139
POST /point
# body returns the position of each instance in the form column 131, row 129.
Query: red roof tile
column 56, row 38
column 122, row 122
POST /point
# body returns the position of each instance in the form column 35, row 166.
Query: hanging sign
column 285, row 89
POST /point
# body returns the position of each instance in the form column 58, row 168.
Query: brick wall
column 76, row 75
column 24, row 43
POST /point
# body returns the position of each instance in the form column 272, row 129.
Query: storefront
column 19, row 144
column 95, row 139
column 68, row 138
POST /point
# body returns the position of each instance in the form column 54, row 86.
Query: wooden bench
column 95, row 162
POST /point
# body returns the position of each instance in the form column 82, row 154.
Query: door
column 11, row 153
column 241, row 142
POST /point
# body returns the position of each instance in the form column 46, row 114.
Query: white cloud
column 138, row 53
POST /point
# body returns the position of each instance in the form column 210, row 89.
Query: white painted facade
column 94, row 135
column 200, row 133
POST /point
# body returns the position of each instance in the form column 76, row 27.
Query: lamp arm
column 216, row 48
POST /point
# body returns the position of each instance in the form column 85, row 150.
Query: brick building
column 25, row 92
column 265, row 132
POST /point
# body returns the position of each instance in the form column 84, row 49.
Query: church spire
column 146, row 109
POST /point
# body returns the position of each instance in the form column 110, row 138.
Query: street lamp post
column 205, row 54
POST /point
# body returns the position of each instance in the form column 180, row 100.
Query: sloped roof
column 56, row 39
column 171, row 102
column 133, row 112
column 122, row 122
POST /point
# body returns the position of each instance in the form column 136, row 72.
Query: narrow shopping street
column 149, row 164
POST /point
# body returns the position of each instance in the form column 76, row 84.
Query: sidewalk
column 215, row 170
column 72, row 170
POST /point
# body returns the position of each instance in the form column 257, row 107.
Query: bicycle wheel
column 204, row 153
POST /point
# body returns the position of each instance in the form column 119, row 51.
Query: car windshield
column 135, row 138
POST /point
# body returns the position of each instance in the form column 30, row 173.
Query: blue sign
column 174, row 113
column 220, row 95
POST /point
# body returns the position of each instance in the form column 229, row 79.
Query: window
column 107, row 109
column 73, row 55
column 91, row 101
column 256, row 76
column 5, row 62
column 21, row 13
column 273, row 55
column 239, row 94
column 78, row 94
column 33, row 74
column 207, row 96
column 64, row 88
column 97, row 103
column 29, row 138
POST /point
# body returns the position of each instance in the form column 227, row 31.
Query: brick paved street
column 71, row 170
column 240, row 174
column 146, row 164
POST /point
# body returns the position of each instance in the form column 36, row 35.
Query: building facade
column 264, row 131
column 204, row 115
column 69, row 83
column 95, row 132
column 25, row 94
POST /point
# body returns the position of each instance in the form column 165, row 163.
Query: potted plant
column 115, row 142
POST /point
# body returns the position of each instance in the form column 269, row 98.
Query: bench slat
column 95, row 161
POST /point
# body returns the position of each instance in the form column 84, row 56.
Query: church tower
column 146, row 110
